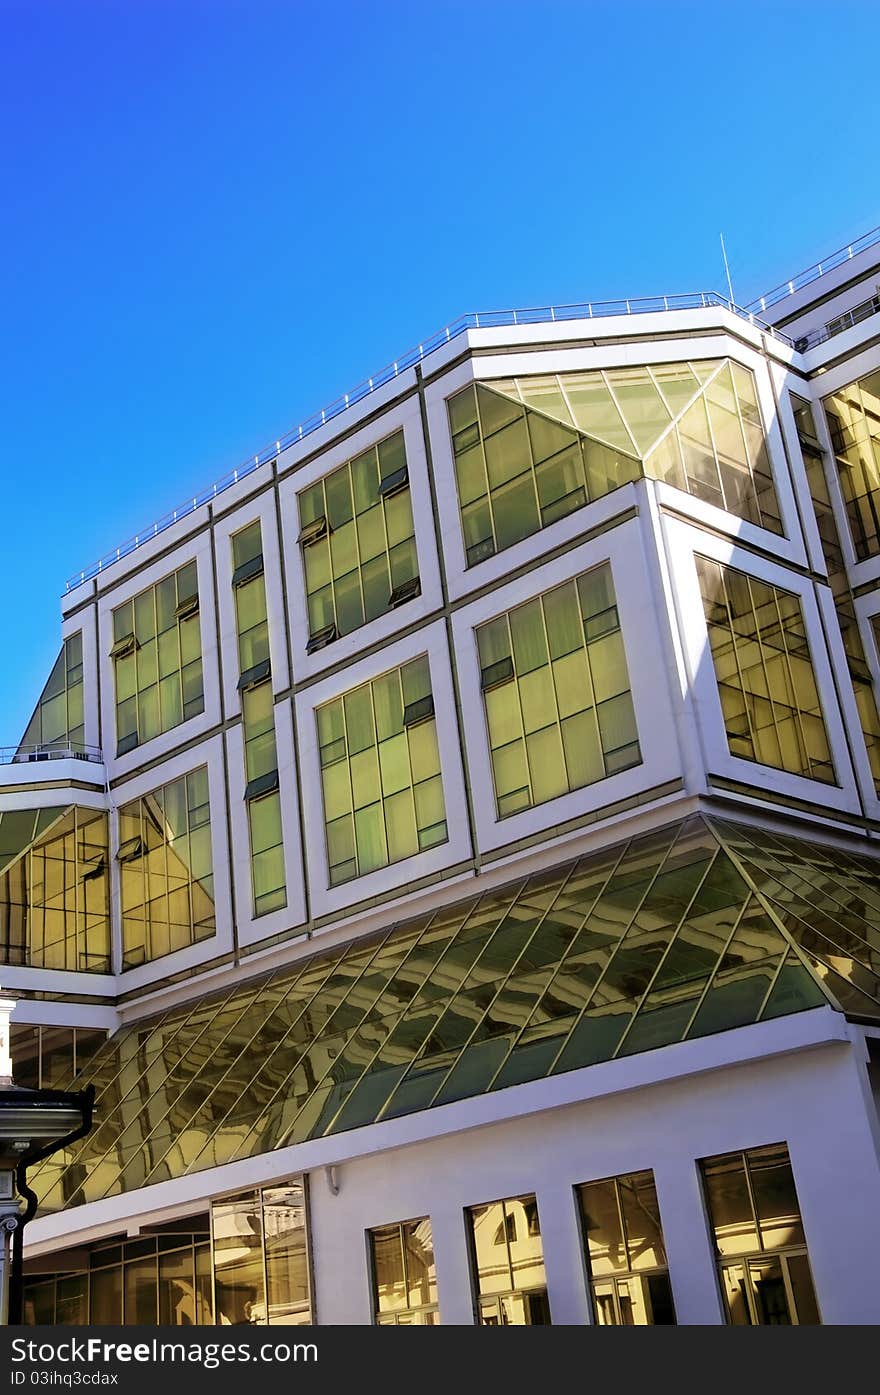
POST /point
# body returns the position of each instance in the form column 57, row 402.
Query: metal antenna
column 727, row 270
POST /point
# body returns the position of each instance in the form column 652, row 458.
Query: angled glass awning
column 693, row 929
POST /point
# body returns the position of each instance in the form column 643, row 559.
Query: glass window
column 166, row 869
column 268, row 881
column 769, row 697
column 853, row 415
column 404, row 1277
column 559, row 711
column 528, row 451
column 623, row 1244
column 58, row 719
column 260, row 1249
column 844, row 601
column 48, row 1058
column 358, row 541
column 55, row 889
column 518, row 469
column 162, row 1277
column 508, row 1263
column 157, row 658
column 759, row 1238
column 249, row 589
column 380, row 770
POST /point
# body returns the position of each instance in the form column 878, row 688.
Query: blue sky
column 219, row 215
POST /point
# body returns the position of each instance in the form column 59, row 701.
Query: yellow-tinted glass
column 663, row 938
column 626, row 1259
column 508, row 1259
column 853, row 414
column 559, row 711
column 157, row 654
column 358, row 539
column 769, row 698
column 518, row 470
column 55, row 889
column 260, row 1254
column 165, row 1279
column 166, row 871
column 404, row 1275
column 268, row 881
column 380, row 770
column 844, row 602
column 755, row 1217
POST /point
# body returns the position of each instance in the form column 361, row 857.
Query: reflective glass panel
column 157, row 658
column 769, row 697
column 358, row 540
column 55, row 889
column 754, row 1214
column 626, row 1261
column 404, row 1276
column 166, row 869
column 559, row 712
column 380, row 770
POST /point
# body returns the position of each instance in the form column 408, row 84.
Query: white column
column 837, row 1177
column 563, row 1259
column 692, row 1270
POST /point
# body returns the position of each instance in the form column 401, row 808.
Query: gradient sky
column 219, row 215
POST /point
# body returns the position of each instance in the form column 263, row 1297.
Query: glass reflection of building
column 506, row 736
column 623, row 1240
column 759, row 1238
column 508, row 1264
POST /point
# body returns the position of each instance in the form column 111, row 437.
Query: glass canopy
column 692, row 929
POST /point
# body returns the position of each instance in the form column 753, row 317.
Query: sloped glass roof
column 693, row 929
column 695, row 425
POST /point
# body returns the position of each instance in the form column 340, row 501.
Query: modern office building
column 451, row 845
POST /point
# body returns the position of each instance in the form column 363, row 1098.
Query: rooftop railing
column 863, row 311
column 15, row 755
column 491, row 319
column 812, row 273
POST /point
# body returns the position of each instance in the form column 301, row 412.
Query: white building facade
column 451, row 846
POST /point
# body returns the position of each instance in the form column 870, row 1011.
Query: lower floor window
column 508, row 1263
column 261, row 1257
column 404, row 1276
column 759, row 1238
column 774, row 1291
column 162, row 1278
